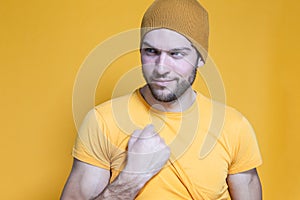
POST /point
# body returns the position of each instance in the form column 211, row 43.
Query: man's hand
column 147, row 154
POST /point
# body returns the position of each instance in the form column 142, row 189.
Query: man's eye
column 177, row 54
column 151, row 51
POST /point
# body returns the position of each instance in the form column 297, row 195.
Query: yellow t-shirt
column 208, row 141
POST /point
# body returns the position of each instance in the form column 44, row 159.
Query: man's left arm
column 245, row 185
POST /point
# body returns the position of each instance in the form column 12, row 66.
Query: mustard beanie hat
column 186, row 17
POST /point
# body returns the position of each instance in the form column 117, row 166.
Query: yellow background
column 255, row 45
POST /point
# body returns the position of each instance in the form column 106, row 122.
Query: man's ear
column 200, row 62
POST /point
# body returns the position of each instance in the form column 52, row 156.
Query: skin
column 245, row 185
column 169, row 65
column 169, row 68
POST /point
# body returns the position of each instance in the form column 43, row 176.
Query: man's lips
column 162, row 82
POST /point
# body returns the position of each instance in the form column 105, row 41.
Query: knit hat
column 186, row 17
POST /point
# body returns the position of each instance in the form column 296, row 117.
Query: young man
column 146, row 145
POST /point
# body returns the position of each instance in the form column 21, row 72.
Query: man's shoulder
column 218, row 106
column 220, row 110
column 118, row 103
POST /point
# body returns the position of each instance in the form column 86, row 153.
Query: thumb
column 147, row 132
column 134, row 137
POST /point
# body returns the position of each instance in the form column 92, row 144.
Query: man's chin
column 162, row 94
column 164, row 97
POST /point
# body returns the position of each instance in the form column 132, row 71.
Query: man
column 146, row 145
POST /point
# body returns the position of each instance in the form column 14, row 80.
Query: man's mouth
column 161, row 82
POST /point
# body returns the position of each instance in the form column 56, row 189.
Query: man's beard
column 181, row 87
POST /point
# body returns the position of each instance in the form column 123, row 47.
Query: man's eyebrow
column 181, row 49
column 175, row 49
column 146, row 43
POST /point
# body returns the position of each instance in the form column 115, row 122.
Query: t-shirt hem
column 88, row 160
column 246, row 168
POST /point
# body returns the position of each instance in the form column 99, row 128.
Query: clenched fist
column 147, row 153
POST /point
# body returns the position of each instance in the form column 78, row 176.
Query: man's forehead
column 166, row 39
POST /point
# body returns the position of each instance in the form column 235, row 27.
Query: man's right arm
column 85, row 181
column 91, row 182
column 147, row 154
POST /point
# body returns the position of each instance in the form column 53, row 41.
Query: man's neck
column 184, row 102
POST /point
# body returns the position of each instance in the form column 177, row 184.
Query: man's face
column 169, row 64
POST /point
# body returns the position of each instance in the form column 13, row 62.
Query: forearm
column 124, row 187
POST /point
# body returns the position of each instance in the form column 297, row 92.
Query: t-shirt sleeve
column 245, row 150
column 91, row 144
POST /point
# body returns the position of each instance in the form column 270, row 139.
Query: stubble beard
column 173, row 94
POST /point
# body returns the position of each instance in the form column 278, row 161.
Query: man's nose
column 161, row 63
